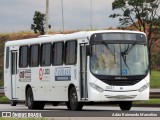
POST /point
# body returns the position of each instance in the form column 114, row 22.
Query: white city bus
column 78, row 69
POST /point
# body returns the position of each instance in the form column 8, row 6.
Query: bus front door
column 13, row 73
column 83, row 69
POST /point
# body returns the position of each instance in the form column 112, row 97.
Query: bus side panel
column 38, row 83
column 44, row 86
column 59, row 84
column 7, row 77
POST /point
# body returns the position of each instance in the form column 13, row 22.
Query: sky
column 17, row 15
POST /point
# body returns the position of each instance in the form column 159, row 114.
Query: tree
column 142, row 15
column 38, row 23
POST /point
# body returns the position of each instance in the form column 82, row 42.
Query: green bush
column 4, row 100
column 155, row 59
column 155, row 79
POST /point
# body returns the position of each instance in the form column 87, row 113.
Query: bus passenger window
column 34, row 55
column 23, row 56
column 58, row 53
column 7, row 58
column 71, row 52
column 46, row 54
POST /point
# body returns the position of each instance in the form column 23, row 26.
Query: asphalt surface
column 88, row 111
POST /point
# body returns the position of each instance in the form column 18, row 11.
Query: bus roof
column 61, row 37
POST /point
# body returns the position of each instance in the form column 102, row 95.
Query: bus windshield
column 119, row 59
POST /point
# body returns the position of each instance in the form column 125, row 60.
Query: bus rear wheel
column 73, row 103
column 31, row 103
column 125, row 105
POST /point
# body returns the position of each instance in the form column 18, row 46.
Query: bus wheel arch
column 30, row 100
column 73, row 103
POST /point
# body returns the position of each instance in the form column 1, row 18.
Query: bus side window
column 7, row 57
column 23, row 56
column 46, row 54
column 34, row 55
column 71, row 52
column 57, row 49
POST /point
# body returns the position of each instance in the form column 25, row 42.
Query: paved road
column 88, row 111
column 7, row 107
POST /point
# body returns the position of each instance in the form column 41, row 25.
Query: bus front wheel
column 125, row 105
column 73, row 103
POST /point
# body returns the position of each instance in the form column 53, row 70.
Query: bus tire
column 125, row 105
column 73, row 103
column 30, row 100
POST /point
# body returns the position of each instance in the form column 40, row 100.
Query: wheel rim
column 73, row 99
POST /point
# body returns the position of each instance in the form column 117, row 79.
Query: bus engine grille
column 121, row 82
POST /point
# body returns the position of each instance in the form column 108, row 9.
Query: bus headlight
column 96, row 87
column 144, row 87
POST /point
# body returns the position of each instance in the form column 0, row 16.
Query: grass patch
column 4, row 99
column 148, row 102
column 155, row 79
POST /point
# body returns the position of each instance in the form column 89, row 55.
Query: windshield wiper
column 129, row 49
column 104, row 42
column 112, row 52
column 124, row 53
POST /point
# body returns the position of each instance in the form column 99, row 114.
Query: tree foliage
column 38, row 25
column 142, row 15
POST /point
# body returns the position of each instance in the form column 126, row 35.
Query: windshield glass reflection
column 119, row 59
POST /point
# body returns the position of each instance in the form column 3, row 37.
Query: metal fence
column 153, row 94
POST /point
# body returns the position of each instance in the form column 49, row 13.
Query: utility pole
column 47, row 12
column 62, row 16
column 91, row 15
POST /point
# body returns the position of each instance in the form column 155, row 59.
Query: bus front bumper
column 119, row 96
